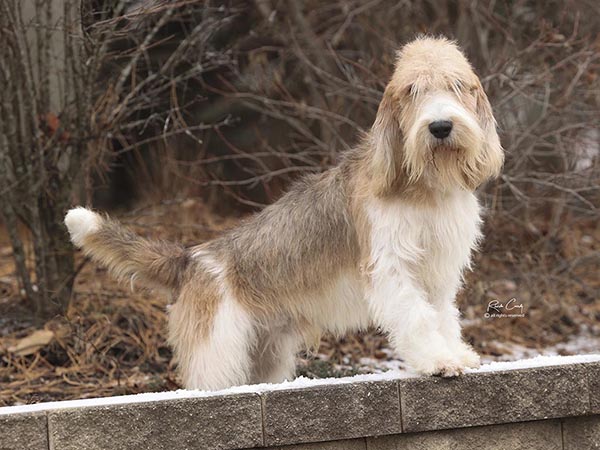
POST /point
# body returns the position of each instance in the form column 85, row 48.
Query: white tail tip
column 81, row 222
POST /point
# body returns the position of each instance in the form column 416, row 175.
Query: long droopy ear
column 491, row 159
column 386, row 145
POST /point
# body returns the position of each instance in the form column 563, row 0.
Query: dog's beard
column 454, row 161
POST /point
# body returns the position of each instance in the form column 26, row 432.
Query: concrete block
column 581, row 433
column 491, row 398
column 593, row 372
column 326, row 413
column 544, row 435
column 354, row 444
column 24, row 431
column 229, row 422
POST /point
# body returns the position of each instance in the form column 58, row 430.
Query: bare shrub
column 300, row 81
column 45, row 130
column 230, row 101
column 240, row 97
column 74, row 91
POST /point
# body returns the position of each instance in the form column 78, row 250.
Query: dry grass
column 112, row 340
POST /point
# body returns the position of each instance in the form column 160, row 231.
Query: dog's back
column 257, row 293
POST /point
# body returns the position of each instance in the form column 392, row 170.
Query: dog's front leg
column 449, row 327
column 400, row 307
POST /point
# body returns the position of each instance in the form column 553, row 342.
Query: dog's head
column 434, row 124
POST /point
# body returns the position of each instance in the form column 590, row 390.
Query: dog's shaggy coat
column 382, row 239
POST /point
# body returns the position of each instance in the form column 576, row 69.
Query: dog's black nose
column 440, row 128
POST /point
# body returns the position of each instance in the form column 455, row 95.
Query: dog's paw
column 447, row 366
column 468, row 357
column 449, row 369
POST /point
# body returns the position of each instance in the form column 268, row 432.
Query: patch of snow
column 298, row 383
column 584, row 343
column 384, row 365
column 538, row 361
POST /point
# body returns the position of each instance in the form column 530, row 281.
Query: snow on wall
column 298, row 383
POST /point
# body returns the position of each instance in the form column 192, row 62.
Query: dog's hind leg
column 275, row 356
column 213, row 351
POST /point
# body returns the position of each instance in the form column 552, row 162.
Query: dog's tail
column 126, row 254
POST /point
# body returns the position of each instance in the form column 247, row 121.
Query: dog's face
column 435, row 123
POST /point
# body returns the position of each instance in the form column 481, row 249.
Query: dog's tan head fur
column 433, row 82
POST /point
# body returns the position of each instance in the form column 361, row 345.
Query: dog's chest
column 428, row 235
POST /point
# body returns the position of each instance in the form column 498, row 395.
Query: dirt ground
column 112, row 340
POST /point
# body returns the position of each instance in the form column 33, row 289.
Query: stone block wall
column 545, row 408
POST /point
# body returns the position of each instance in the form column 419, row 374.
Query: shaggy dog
column 381, row 239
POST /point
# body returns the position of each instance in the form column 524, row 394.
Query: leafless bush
column 300, row 81
column 45, row 106
column 72, row 89
column 240, row 97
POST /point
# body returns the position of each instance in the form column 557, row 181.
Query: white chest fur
column 433, row 241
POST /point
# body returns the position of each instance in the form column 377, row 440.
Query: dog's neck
column 421, row 193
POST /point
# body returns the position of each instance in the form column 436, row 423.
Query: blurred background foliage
column 186, row 115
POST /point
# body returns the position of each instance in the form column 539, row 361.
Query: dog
column 382, row 239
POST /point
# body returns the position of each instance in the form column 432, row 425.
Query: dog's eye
column 411, row 89
column 459, row 86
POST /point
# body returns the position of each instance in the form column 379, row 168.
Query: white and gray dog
column 381, row 239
